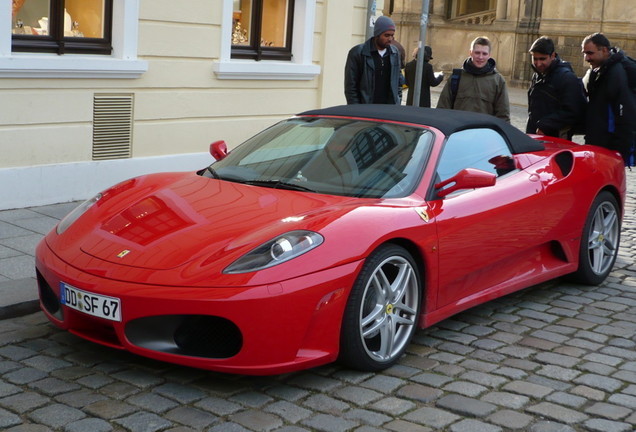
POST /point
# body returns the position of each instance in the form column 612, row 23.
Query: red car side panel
column 497, row 240
column 485, row 237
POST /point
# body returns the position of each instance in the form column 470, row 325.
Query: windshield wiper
column 278, row 184
column 212, row 172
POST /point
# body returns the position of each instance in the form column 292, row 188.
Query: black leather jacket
column 556, row 101
column 359, row 82
column 611, row 111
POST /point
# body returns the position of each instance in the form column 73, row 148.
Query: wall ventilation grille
column 112, row 126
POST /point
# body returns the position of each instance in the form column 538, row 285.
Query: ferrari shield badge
column 123, row 253
column 423, row 212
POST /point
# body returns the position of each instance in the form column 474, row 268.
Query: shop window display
column 62, row 26
column 262, row 29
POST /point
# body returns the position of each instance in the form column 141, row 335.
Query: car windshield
column 331, row 156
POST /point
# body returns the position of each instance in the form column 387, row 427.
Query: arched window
column 369, row 145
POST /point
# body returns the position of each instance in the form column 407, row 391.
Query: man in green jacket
column 479, row 87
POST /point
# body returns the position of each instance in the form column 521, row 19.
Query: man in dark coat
column 611, row 111
column 556, row 99
column 372, row 71
column 428, row 78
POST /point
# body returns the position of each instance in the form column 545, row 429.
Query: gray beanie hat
column 383, row 24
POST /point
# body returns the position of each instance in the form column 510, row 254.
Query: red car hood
column 164, row 221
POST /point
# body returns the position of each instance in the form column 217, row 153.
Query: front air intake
column 188, row 335
column 48, row 298
column 208, row 336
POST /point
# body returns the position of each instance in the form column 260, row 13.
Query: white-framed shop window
column 121, row 62
column 298, row 67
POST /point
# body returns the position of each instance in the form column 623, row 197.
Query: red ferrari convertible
column 331, row 235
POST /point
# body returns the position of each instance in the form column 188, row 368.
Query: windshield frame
column 354, row 157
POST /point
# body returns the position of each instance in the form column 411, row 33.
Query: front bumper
column 265, row 329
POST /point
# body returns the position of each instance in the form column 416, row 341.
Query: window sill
column 264, row 70
column 69, row 66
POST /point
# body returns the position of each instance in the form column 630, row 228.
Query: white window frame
column 122, row 63
column 299, row 68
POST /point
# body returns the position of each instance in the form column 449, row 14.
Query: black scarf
column 473, row 70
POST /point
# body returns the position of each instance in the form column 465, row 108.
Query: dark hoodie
column 611, row 111
column 556, row 100
column 480, row 90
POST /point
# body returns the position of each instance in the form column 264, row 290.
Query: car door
column 486, row 235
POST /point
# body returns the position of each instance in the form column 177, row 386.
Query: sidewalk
column 20, row 232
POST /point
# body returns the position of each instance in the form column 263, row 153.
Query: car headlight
column 75, row 214
column 276, row 251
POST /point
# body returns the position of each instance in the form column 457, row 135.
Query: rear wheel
column 600, row 240
column 382, row 311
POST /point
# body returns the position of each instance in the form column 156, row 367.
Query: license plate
column 89, row 303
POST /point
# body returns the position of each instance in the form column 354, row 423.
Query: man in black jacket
column 556, row 99
column 372, row 71
column 611, row 112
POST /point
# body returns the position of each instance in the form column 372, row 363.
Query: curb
column 19, row 309
column 18, row 297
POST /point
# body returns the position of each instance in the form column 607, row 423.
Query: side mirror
column 218, row 149
column 469, row 178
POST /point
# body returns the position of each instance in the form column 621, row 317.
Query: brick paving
column 557, row 357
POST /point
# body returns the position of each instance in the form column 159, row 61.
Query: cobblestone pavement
column 556, row 357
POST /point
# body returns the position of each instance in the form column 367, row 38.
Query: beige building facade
column 513, row 25
column 149, row 84
column 97, row 91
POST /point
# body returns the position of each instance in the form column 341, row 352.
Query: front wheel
column 382, row 311
column 600, row 240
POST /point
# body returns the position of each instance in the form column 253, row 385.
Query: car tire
column 382, row 311
column 600, row 240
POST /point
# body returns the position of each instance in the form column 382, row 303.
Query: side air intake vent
column 112, row 126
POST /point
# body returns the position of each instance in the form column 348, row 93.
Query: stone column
column 502, row 10
column 527, row 31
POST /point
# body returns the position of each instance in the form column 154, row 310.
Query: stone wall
column 516, row 24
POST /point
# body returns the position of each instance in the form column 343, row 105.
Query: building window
column 262, row 29
column 62, row 26
column 292, row 60
column 111, row 29
column 459, row 8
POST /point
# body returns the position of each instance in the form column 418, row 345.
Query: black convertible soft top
column 447, row 121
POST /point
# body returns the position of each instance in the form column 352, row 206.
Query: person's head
column 543, row 54
column 428, row 53
column 383, row 32
column 596, row 49
column 480, row 51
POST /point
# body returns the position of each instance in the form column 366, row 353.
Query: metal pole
column 370, row 18
column 417, row 89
